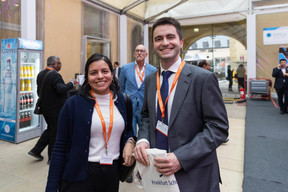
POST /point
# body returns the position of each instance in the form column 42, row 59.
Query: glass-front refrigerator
column 21, row 61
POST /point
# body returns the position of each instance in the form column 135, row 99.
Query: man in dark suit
column 281, row 84
column 192, row 124
column 117, row 69
column 53, row 97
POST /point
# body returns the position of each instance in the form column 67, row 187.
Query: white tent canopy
column 190, row 11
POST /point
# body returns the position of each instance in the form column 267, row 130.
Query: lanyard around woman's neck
column 102, row 119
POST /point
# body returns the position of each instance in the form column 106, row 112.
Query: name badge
column 162, row 127
column 106, row 160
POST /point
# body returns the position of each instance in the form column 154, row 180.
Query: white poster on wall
column 275, row 35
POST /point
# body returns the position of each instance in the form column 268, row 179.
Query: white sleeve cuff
column 143, row 140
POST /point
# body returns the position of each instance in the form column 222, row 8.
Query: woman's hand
column 127, row 154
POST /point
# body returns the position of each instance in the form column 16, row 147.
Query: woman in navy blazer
column 82, row 160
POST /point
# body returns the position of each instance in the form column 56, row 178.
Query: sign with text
column 275, row 35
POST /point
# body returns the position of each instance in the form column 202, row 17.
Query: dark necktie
column 161, row 139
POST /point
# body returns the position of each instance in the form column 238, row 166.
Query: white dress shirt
column 174, row 69
column 138, row 80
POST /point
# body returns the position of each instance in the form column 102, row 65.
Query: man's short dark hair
column 116, row 63
column 202, row 63
column 168, row 21
column 282, row 60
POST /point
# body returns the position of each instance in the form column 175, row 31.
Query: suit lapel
column 152, row 98
column 133, row 75
column 180, row 92
column 146, row 72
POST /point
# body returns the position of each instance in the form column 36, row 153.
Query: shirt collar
column 173, row 67
column 144, row 66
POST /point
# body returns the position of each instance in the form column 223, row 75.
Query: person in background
column 230, row 77
column 93, row 130
column 132, row 82
column 240, row 73
column 117, row 69
column 53, row 96
column 204, row 64
column 281, row 84
column 193, row 122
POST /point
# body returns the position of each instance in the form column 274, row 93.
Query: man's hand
column 167, row 165
column 140, row 153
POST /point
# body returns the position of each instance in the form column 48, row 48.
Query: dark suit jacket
column 54, row 93
column 279, row 78
column 198, row 125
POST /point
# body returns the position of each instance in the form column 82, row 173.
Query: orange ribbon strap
column 162, row 107
column 102, row 119
column 140, row 76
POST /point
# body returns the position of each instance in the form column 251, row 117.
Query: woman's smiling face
column 100, row 77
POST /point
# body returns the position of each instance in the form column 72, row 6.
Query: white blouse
column 97, row 143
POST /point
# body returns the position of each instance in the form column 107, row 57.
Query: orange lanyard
column 140, row 76
column 162, row 107
column 102, row 119
column 49, row 68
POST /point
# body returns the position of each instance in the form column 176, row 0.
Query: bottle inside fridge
column 29, row 68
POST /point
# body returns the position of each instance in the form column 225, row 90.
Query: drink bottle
column 31, row 100
column 22, row 85
column 21, row 102
column 24, row 71
column 21, row 120
column 25, row 121
column 27, row 101
column 31, row 71
column 29, row 85
column 26, row 84
column 28, row 119
column 21, row 71
column 28, row 71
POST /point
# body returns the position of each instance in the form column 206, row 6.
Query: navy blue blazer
column 70, row 154
column 280, row 80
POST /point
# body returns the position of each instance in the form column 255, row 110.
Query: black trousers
column 283, row 92
column 48, row 137
column 100, row 178
column 230, row 83
column 240, row 82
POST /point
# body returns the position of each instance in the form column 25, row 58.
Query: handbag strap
column 128, row 104
column 42, row 84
